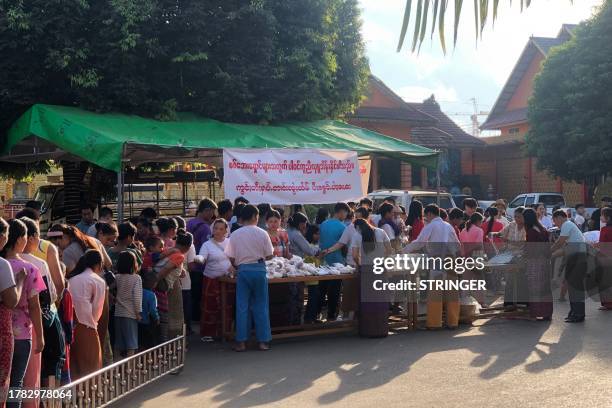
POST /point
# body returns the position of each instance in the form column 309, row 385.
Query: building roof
column 516, row 138
column 443, row 126
column 431, row 137
column 403, row 112
column 535, row 46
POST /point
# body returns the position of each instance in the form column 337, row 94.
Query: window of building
column 514, row 130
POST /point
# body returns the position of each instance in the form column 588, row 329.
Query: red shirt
column 605, row 235
column 497, row 226
column 417, row 227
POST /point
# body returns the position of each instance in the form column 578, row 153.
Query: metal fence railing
column 109, row 384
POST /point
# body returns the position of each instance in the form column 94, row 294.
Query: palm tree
column 483, row 9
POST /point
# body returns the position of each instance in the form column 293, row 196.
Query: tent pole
column 438, row 180
column 120, row 195
column 120, row 188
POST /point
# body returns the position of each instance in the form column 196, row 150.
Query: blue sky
column 470, row 70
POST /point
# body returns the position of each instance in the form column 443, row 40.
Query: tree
column 257, row 61
column 570, row 112
column 484, row 11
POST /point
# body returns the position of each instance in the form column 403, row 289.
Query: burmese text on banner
column 291, row 176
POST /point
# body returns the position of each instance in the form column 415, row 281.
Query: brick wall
column 406, row 176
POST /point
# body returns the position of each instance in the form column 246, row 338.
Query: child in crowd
column 148, row 326
column 128, row 305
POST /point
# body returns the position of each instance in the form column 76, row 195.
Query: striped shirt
column 129, row 295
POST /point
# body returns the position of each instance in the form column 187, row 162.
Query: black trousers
column 331, row 289
column 575, row 274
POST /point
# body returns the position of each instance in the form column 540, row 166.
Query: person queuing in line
column 11, row 286
column 88, row 291
column 27, row 316
column 367, row 203
column 415, row 219
column 572, row 245
column 48, row 364
column 144, row 229
column 72, row 243
column 580, row 217
column 366, row 244
column 605, row 259
column 237, row 201
column 107, row 234
column 169, row 270
column 538, row 269
column 199, row 228
column 167, row 230
column 491, row 225
column 248, row 249
column 225, row 209
column 349, row 300
column 105, row 215
column 390, row 223
column 375, row 218
column 217, row 264
column 128, row 305
column 238, row 218
column 47, row 252
column 595, row 220
column 191, row 267
column 455, row 218
column 87, row 218
column 297, row 229
column 470, row 205
column 264, row 209
column 501, row 207
column 148, row 325
column 471, row 238
column 126, row 239
column 543, row 217
column 514, row 236
column 322, row 215
column 438, row 238
column 149, row 214
column 330, row 232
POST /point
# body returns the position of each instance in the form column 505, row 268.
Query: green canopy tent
column 112, row 140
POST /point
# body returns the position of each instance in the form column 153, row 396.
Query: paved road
column 497, row 363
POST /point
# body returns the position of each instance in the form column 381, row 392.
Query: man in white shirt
column 248, row 249
column 579, row 218
column 573, row 244
column 439, row 239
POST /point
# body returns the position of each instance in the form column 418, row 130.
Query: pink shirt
column 32, row 286
column 88, row 291
column 471, row 239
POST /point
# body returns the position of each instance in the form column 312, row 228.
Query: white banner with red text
column 291, row 176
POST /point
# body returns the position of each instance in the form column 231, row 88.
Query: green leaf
column 458, row 7
column 495, row 7
column 424, row 23
column 476, row 17
column 484, row 12
column 441, row 25
column 417, row 24
column 434, row 17
column 405, row 24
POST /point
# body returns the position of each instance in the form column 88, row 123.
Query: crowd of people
column 98, row 291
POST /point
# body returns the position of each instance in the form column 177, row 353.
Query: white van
column 404, row 198
column 550, row 200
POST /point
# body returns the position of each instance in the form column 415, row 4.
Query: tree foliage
column 256, row 61
column 570, row 113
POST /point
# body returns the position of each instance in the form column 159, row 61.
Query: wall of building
column 510, row 173
column 525, row 88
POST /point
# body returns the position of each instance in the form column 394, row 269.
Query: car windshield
column 445, row 201
column 552, row 200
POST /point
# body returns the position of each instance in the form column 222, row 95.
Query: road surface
column 496, row 363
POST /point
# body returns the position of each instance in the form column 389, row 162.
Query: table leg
column 223, row 311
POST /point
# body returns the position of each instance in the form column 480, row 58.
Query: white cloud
column 376, row 36
column 420, row 93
